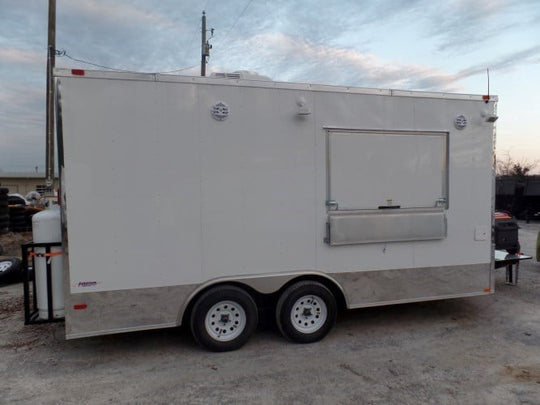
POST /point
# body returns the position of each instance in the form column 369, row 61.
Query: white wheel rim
column 308, row 314
column 4, row 266
column 225, row 321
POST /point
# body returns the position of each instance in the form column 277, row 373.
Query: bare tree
column 507, row 166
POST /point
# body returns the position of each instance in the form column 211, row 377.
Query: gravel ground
column 11, row 242
column 481, row 350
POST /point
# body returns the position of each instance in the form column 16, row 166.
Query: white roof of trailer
column 262, row 82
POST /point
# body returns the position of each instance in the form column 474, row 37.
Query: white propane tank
column 46, row 228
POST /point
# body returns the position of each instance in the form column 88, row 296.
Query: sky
column 432, row 45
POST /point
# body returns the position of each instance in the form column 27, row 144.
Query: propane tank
column 46, row 228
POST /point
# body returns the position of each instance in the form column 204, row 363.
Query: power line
column 180, row 70
column 64, row 53
column 235, row 22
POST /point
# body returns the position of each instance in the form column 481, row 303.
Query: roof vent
column 225, row 75
column 240, row 74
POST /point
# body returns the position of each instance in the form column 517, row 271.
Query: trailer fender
column 266, row 284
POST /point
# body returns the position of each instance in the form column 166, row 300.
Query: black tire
column 15, row 200
column 313, row 308
column 16, row 223
column 239, row 318
column 10, row 270
column 4, row 190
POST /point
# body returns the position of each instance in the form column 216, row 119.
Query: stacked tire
column 18, row 221
column 4, row 210
column 29, row 213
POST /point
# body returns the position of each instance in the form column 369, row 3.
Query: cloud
column 287, row 58
column 506, row 62
column 463, row 25
column 21, row 106
column 290, row 58
column 115, row 12
column 21, row 56
column 135, row 36
column 22, row 129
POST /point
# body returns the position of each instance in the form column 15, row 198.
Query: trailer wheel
column 224, row 318
column 306, row 311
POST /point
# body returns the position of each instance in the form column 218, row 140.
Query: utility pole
column 205, row 46
column 51, row 50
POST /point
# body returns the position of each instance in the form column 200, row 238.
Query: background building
column 23, row 183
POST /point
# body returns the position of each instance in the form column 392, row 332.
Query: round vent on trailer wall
column 220, row 111
column 460, row 122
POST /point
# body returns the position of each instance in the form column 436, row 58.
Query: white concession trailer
column 198, row 199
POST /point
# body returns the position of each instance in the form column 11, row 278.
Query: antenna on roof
column 486, row 98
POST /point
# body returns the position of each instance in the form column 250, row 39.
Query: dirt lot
column 483, row 350
column 11, row 242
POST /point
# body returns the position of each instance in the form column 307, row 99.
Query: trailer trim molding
column 129, row 310
column 312, row 87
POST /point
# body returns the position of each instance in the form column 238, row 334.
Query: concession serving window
column 385, row 186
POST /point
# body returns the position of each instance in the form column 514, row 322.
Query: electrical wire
column 179, row 70
column 64, row 53
column 235, row 22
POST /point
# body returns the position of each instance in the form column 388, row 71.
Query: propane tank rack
column 31, row 311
